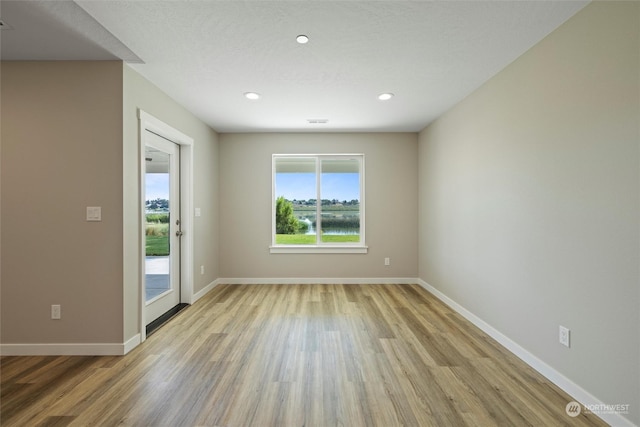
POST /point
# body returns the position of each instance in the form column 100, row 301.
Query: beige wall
column 139, row 93
column 529, row 202
column 70, row 140
column 61, row 152
column 391, row 206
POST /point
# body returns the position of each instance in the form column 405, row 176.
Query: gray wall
column 529, row 201
column 61, row 152
column 391, row 194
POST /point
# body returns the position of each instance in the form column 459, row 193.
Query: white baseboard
column 323, row 280
column 571, row 388
column 205, row 290
column 131, row 343
column 94, row 349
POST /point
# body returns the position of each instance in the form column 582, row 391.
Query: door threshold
column 156, row 324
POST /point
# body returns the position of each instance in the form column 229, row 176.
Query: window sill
column 317, row 249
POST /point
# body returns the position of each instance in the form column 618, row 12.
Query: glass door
column 162, row 226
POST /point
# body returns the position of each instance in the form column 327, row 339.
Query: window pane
column 295, row 191
column 340, row 194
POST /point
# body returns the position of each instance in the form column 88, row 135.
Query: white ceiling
column 205, row 54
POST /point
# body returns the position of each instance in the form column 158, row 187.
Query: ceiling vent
column 317, row 121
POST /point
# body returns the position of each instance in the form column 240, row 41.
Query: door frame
column 150, row 123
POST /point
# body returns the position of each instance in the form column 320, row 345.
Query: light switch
column 94, row 213
column 198, row 213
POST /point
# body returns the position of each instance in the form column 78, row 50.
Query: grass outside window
column 310, row 239
column 157, row 235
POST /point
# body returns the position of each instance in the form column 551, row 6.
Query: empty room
column 319, row 213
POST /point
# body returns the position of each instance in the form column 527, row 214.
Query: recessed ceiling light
column 252, row 95
column 385, row 96
column 302, row 39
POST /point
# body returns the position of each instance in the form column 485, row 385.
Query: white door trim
column 149, row 122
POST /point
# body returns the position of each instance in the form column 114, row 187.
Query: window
column 318, row 203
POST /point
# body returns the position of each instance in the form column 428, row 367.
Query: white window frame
column 359, row 247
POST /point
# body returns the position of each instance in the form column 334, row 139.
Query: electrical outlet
column 387, row 261
column 56, row 311
column 564, row 336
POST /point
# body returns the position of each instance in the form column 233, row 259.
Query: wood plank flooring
column 293, row 355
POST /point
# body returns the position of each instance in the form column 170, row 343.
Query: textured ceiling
column 56, row 30
column 206, row 54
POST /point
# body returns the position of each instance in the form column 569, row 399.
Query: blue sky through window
column 302, row 186
column 157, row 186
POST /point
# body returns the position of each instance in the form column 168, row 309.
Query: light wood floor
column 293, row 355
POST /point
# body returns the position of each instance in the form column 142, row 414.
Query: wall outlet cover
column 56, row 311
column 564, row 336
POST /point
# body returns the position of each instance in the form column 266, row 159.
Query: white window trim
column 328, row 248
column 317, row 249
